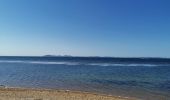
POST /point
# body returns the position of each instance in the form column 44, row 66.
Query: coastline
column 12, row 93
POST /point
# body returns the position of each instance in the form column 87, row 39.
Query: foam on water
column 41, row 62
column 81, row 63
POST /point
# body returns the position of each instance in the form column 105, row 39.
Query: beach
column 47, row 94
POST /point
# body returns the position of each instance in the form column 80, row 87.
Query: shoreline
column 17, row 93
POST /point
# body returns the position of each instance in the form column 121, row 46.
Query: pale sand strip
column 45, row 94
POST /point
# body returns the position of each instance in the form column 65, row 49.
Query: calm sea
column 145, row 78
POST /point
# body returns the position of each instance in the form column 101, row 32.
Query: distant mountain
column 49, row 56
column 57, row 56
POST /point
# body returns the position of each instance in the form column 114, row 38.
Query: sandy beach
column 45, row 94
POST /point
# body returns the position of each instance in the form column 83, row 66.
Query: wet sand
column 47, row 94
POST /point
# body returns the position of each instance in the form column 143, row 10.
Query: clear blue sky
column 123, row 28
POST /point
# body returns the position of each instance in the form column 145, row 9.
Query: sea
column 142, row 78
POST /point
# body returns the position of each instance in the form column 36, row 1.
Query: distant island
column 57, row 56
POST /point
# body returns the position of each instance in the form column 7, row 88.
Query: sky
column 117, row 28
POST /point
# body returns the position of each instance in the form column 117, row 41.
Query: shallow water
column 148, row 79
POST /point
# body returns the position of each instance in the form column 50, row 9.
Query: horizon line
column 79, row 56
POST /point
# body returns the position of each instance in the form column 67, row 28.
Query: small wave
column 105, row 64
column 2, row 86
column 108, row 64
column 81, row 63
column 7, row 61
column 57, row 63
column 41, row 62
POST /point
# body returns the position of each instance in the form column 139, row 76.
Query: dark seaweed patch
column 115, row 82
column 164, row 85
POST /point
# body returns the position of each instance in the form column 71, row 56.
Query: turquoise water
column 148, row 79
